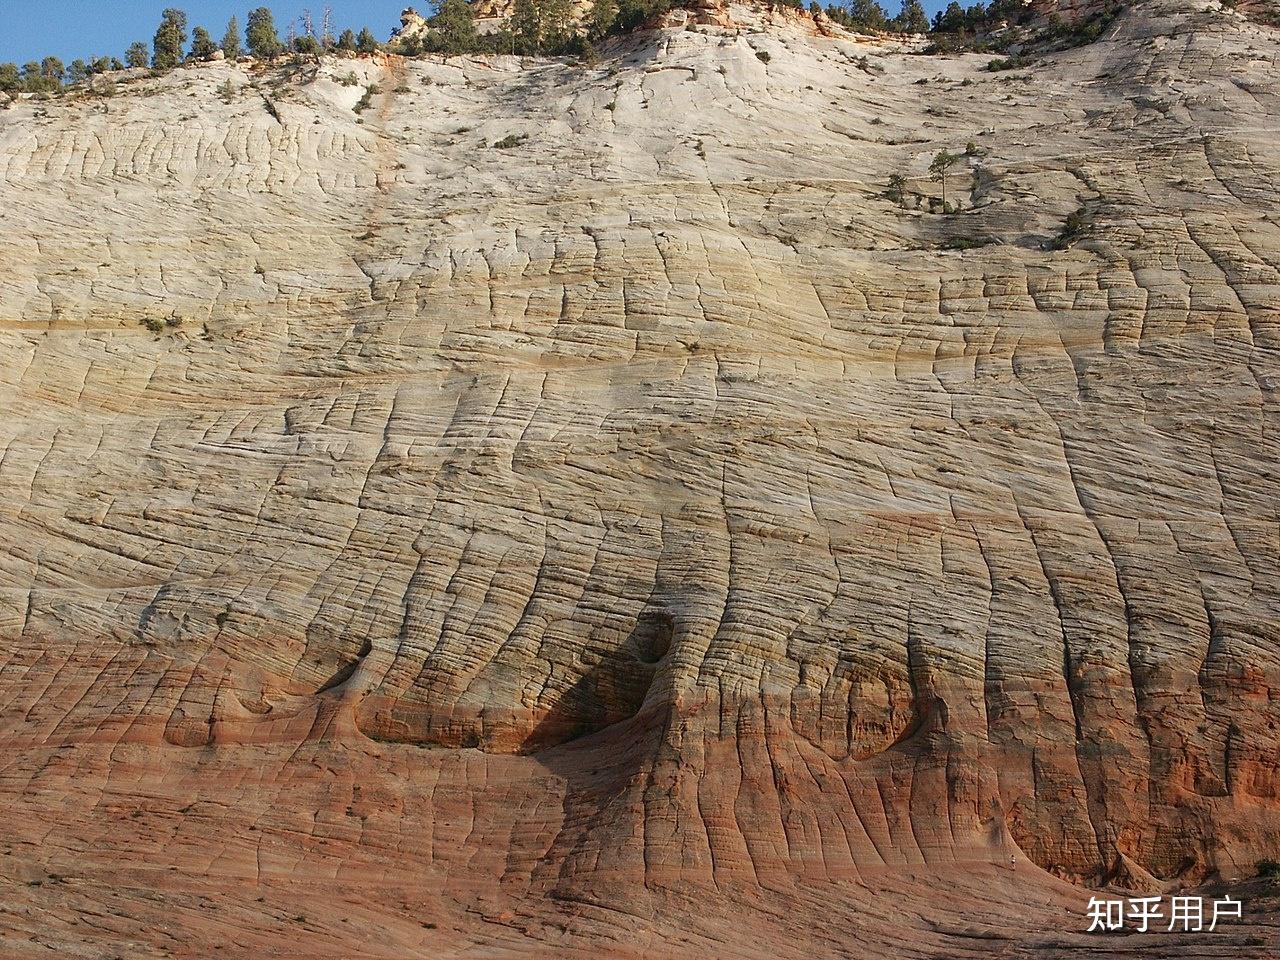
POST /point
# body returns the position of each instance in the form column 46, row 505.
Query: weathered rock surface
column 643, row 538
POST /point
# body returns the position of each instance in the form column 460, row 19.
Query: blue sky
column 31, row 29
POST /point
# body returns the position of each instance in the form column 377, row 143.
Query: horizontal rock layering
column 570, row 496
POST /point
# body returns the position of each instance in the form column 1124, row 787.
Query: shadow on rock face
column 611, row 693
column 609, row 777
column 606, row 692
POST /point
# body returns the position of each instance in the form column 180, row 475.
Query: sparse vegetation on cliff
column 1073, row 229
column 168, row 50
column 1016, row 28
column 552, row 28
column 366, row 99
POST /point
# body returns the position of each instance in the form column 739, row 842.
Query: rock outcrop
column 575, row 511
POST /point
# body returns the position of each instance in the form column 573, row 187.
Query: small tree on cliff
column 455, row 27
column 868, row 15
column 202, row 45
column 52, row 70
column 526, row 26
column 913, row 19
column 260, row 34
column 231, row 46
column 136, row 55
column 951, row 20
column 603, row 13
column 897, row 189
column 943, row 162
column 541, row 24
column 169, row 38
column 367, row 42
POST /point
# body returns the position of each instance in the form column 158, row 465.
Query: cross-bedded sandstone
column 559, row 538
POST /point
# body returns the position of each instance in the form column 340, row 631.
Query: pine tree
column 975, row 17
column 43, row 76
column 32, row 82
column 526, row 25
column 939, row 167
column 202, row 45
column 260, row 34
column 136, row 55
column 347, row 42
column 10, row 78
column 455, row 27
column 541, row 25
column 897, row 191
column 231, row 47
column 367, row 42
column 169, row 38
column 78, row 71
column 632, row 13
column 51, row 69
column 557, row 21
column 868, row 15
column 603, row 13
column 913, row 19
column 951, row 20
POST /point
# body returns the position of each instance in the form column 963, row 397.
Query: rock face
column 573, row 511
column 413, row 25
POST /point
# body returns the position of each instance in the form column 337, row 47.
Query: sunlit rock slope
column 577, row 511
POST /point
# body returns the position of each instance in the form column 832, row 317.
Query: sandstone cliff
column 567, row 510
